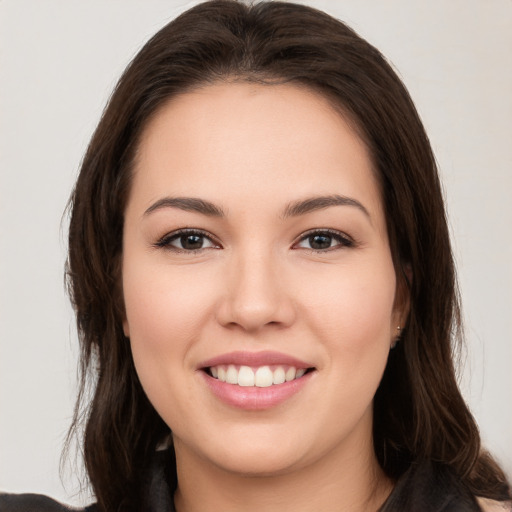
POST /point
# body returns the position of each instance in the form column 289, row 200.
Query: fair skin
column 266, row 273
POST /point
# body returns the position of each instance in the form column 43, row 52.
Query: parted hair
column 419, row 413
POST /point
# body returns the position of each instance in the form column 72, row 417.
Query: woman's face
column 257, row 276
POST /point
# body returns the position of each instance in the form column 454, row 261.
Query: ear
column 126, row 328
column 402, row 303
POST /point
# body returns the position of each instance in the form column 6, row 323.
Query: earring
column 397, row 337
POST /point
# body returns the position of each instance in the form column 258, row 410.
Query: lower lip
column 255, row 398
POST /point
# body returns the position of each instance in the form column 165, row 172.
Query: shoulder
column 494, row 506
column 35, row 503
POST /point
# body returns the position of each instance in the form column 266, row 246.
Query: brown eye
column 186, row 241
column 319, row 242
column 322, row 241
column 190, row 242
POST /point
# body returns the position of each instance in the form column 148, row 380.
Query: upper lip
column 255, row 359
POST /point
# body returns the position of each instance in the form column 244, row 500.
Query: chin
column 248, row 452
column 260, row 463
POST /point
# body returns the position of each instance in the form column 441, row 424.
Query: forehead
column 241, row 141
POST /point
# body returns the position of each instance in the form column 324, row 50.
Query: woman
column 257, row 268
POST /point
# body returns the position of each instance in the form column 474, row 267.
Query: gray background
column 58, row 63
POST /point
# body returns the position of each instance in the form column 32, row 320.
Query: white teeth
column 279, row 375
column 261, row 377
column 290, row 374
column 245, row 376
column 231, row 375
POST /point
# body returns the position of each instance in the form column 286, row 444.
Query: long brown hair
column 419, row 412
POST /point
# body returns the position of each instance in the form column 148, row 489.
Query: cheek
column 353, row 307
column 354, row 327
column 166, row 309
column 353, row 318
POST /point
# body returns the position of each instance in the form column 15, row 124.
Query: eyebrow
column 312, row 204
column 293, row 209
column 189, row 204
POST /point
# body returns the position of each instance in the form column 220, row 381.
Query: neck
column 346, row 479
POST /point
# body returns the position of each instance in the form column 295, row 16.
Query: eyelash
column 343, row 240
column 165, row 241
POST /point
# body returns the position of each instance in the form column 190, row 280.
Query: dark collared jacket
column 425, row 487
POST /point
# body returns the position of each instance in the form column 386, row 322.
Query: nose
column 256, row 295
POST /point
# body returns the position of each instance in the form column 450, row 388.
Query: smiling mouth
column 261, row 376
